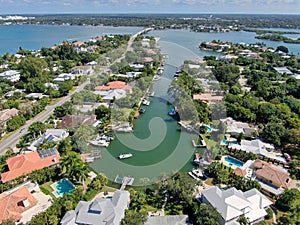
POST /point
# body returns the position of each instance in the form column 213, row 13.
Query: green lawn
column 46, row 189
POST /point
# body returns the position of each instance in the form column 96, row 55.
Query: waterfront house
column 137, row 66
column 81, row 70
column 260, row 148
column 273, row 179
column 26, row 163
column 101, row 211
column 10, row 75
column 208, row 98
column 69, row 121
column 148, row 61
column 237, row 127
column 111, row 95
column 233, row 203
column 114, row 85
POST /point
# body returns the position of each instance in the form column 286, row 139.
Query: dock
column 203, row 144
column 124, row 181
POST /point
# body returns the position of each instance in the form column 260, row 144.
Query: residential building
column 64, row 76
column 5, row 115
column 237, row 127
column 114, row 85
column 26, row 163
column 11, row 75
column 13, row 204
column 208, row 98
column 90, row 106
column 69, row 121
column 163, row 220
column 136, row 66
column 51, row 85
column 273, row 179
column 109, row 96
column 101, row 211
column 51, row 135
column 36, row 95
column 233, row 203
column 258, row 147
column 148, row 61
column 283, row 70
column 82, row 70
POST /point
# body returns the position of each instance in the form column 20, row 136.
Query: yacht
column 100, row 143
column 125, row 156
column 196, row 174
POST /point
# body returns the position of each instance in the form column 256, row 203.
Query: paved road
column 12, row 140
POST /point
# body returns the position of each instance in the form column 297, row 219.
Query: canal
column 158, row 144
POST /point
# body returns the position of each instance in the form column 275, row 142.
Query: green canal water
column 158, row 144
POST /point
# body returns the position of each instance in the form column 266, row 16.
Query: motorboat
column 172, row 112
column 197, row 174
column 146, row 102
column 197, row 158
column 142, row 110
column 100, row 143
column 125, row 156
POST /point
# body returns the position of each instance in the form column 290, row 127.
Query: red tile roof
column 113, row 85
column 25, row 163
column 240, row 172
column 11, row 204
column 78, row 43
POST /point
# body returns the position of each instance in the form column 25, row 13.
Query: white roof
column 233, row 203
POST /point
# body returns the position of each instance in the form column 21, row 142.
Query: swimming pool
column 209, row 129
column 225, row 142
column 61, row 187
column 233, row 161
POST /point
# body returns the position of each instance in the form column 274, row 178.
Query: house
column 233, row 203
column 283, row 70
column 101, row 211
column 51, row 135
column 51, row 85
column 78, row 43
column 93, row 64
column 273, row 179
column 146, row 43
column 114, row 85
column 13, row 204
column 64, row 76
column 26, row 163
column 11, row 75
column 36, row 95
column 208, row 98
column 5, row 115
column 163, row 220
column 258, row 147
column 82, row 70
column 111, row 95
column 128, row 75
column 69, row 121
column 148, row 61
column 236, row 127
column 136, row 66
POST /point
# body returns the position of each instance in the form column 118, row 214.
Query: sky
column 150, row 6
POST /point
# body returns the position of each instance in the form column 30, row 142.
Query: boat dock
column 124, row 181
column 203, row 144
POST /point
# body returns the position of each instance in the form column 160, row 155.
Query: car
column 21, row 131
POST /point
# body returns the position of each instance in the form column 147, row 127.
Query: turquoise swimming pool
column 61, row 187
column 209, row 129
column 233, row 161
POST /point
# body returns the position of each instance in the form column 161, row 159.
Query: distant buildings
column 101, row 211
column 26, row 163
column 11, row 75
column 233, row 203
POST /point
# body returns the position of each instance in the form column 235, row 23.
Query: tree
column 37, row 128
column 288, row 200
column 206, row 215
column 243, row 220
column 282, row 49
column 274, row 133
column 15, row 122
column 133, row 217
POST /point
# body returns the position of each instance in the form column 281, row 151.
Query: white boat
column 196, row 174
column 145, row 102
column 125, row 156
column 101, row 143
column 156, row 77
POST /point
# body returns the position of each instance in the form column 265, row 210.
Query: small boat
column 100, row 143
column 156, row 77
column 125, row 156
column 145, row 102
column 197, row 158
column 172, row 112
column 196, row 174
column 151, row 94
column 142, row 110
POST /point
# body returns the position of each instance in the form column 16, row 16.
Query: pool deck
column 53, row 186
column 223, row 161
